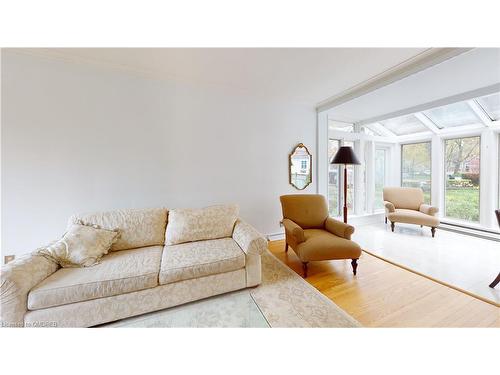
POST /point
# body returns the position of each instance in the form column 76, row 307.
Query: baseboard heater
column 476, row 232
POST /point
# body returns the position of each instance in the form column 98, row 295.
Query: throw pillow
column 81, row 246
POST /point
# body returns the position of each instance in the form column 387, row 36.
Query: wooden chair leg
column 433, row 231
column 386, row 220
column 304, row 269
column 495, row 282
column 286, row 247
column 354, row 264
column 392, row 225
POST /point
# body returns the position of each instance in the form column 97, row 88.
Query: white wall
column 79, row 138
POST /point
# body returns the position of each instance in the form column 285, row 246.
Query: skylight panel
column 405, row 125
column 491, row 105
column 369, row 130
column 452, row 115
column 341, row 126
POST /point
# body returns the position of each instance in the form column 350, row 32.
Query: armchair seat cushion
column 201, row 258
column 401, row 215
column 320, row 244
column 118, row 273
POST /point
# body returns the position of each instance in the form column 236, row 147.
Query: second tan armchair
column 406, row 205
column 312, row 234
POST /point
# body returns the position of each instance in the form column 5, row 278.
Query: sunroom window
column 437, row 150
column 452, row 115
column 404, row 125
column 491, row 105
column 462, row 167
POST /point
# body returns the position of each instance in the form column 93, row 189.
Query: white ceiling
column 473, row 70
column 309, row 75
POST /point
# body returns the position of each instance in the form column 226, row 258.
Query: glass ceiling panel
column 342, row 126
column 452, row 115
column 491, row 105
column 404, row 125
column 369, row 130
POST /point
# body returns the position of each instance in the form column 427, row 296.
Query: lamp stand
column 345, row 193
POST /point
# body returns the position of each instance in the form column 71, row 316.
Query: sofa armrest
column 339, row 228
column 247, row 237
column 17, row 279
column 295, row 230
column 428, row 209
column 389, row 207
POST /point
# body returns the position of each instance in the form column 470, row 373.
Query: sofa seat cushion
column 413, row 217
column 322, row 245
column 119, row 272
column 202, row 258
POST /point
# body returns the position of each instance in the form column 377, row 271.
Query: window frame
column 387, row 174
column 339, row 181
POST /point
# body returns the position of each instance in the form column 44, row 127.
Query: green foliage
column 463, row 204
column 460, row 184
column 473, row 177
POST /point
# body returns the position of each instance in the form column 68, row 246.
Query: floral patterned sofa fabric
column 81, row 245
column 208, row 252
column 119, row 272
column 17, row 279
column 209, row 223
column 108, row 309
column 138, row 227
column 249, row 240
column 202, row 258
column 253, row 245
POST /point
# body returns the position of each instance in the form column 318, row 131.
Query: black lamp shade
column 345, row 155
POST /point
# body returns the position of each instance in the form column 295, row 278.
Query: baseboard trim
column 275, row 236
column 479, row 233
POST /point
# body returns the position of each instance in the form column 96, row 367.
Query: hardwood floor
column 384, row 295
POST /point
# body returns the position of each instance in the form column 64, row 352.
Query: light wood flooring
column 384, row 295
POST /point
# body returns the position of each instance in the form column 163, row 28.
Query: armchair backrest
column 307, row 210
column 404, row 197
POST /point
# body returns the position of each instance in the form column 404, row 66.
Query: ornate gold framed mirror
column 300, row 167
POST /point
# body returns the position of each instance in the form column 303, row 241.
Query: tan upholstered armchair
column 312, row 234
column 406, row 205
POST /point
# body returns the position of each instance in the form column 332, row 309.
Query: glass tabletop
column 235, row 309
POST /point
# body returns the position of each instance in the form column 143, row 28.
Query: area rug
column 283, row 299
column 287, row 300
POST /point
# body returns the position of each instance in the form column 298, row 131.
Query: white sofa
column 141, row 274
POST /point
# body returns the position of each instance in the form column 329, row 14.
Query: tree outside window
column 416, row 167
column 462, row 167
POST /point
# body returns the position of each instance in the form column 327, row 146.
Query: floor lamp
column 345, row 155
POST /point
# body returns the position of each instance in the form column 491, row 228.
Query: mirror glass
column 300, row 167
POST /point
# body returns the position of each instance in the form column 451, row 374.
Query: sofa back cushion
column 209, row 223
column 306, row 210
column 138, row 227
column 403, row 197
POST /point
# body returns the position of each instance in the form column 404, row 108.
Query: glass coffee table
column 236, row 309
